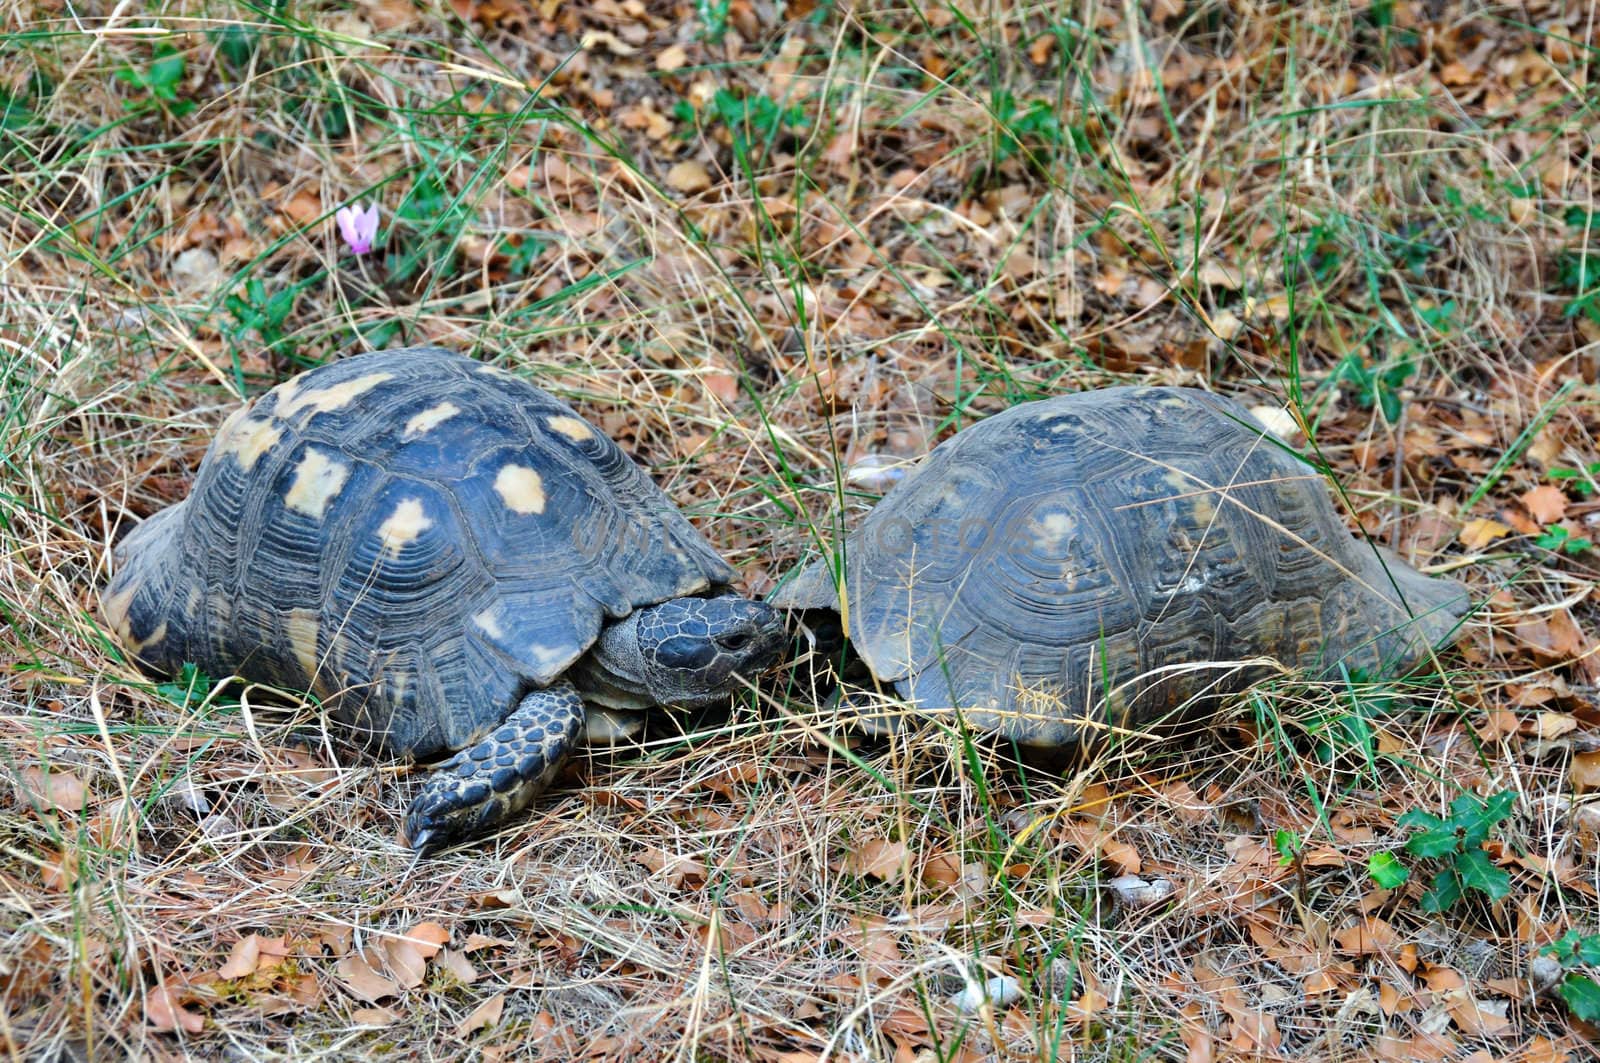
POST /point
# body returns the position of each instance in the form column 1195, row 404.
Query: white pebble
column 219, row 826
column 186, row 795
column 1133, row 890
column 1002, row 989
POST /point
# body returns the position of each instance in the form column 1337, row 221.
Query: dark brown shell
column 415, row 536
column 1108, row 555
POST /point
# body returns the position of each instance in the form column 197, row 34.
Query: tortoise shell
column 1103, row 557
column 415, row 537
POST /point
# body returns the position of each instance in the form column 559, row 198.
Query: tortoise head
column 691, row 651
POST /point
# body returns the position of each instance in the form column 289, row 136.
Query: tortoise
column 452, row 560
column 1095, row 561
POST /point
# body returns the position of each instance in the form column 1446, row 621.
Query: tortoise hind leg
column 482, row 785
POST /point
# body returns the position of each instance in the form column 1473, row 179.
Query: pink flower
column 358, row 226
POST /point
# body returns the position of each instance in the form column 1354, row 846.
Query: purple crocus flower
column 359, row 226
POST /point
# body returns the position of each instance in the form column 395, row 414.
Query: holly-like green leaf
column 1477, row 872
column 1436, row 838
column 1582, row 996
column 1386, row 870
column 1443, row 894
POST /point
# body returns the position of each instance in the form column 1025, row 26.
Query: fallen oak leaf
column 1547, row 503
column 166, row 1013
column 485, row 1014
column 357, row 975
column 689, row 176
column 52, row 789
column 427, row 938
column 878, row 857
column 243, row 958
column 1480, row 532
column 406, row 962
column 458, row 964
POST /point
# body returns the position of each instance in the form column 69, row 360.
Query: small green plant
column 159, row 81
column 1583, row 480
column 189, row 688
column 1579, row 990
column 434, row 220
column 1457, row 839
column 1379, row 384
column 713, row 15
column 755, row 119
column 1578, row 269
column 1561, row 541
column 1033, row 129
column 256, row 311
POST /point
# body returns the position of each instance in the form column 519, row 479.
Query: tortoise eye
column 736, row 641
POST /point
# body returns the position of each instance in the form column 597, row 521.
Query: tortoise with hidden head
column 1104, row 558
column 451, row 559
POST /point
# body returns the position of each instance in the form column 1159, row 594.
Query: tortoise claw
column 470, row 793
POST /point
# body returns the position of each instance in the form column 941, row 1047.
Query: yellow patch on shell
column 489, row 623
column 291, row 400
column 1197, row 493
column 246, row 439
column 494, row 370
column 114, row 607
column 317, row 481
column 431, row 418
column 520, row 488
column 404, row 525
column 1050, row 531
column 138, row 646
column 547, row 655
column 302, row 625
column 571, row 427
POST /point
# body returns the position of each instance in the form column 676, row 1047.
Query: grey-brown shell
column 1099, row 552
column 412, row 535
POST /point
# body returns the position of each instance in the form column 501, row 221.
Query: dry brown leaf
column 1480, row 1018
column 689, row 176
column 243, row 958
column 357, row 975
column 1585, row 772
column 1091, row 838
column 672, row 57
column 483, row 941
column 1367, row 937
column 612, row 42
column 374, row 1017
column 54, row 789
column 303, row 208
column 485, row 1014
column 878, row 857
column 405, row 961
column 1547, row 503
column 1549, row 725
column 1480, row 532
column 458, row 964
column 427, row 938
column 164, row 1012
column 675, row 869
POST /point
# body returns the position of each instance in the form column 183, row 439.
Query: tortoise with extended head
column 1106, row 557
column 451, row 559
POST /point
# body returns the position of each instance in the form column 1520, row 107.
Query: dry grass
column 883, row 222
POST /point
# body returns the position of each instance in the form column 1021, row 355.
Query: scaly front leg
column 496, row 778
